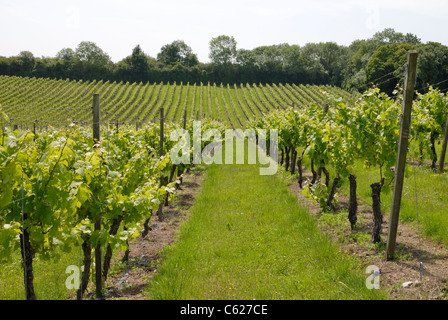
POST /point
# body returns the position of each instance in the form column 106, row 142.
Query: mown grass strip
column 248, row 238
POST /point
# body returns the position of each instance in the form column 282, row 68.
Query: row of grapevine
column 55, row 186
column 338, row 134
column 60, row 101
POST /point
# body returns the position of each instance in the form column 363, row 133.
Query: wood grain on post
column 96, row 140
column 96, row 118
column 160, row 209
column 445, row 142
column 408, row 96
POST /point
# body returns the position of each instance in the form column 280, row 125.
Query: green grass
column 49, row 277
column 248, row 238
column 424, row 200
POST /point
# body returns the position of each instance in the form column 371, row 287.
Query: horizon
column 252, row 23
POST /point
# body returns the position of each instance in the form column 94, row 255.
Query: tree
column 358, row 55
column 333, row 59
column 223, row 50
column 177, row 51
column 91, row 62
column 139, row 66
column 65, row 54
column 291, row 55
column 89, row 52
column 27, row 61
column 432, row 65
column 324, row 62
column 191, row 60
column 384, row 67
column 389, row 35
column 355, row 74
column 310, row 58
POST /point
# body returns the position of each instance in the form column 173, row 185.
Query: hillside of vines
column 58, row 102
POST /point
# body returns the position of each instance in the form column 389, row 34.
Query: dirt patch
column 420, row 270
column 132, row 278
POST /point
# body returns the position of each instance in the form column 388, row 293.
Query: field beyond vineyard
column 56, row 102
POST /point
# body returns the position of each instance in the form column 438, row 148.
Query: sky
column 46, row 26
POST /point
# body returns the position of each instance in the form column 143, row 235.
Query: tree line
column 379, row 60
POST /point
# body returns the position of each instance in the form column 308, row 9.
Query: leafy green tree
column 310, row 58
column 27, row 61
column 384, row 67
column 91, row 62
column 89, row 52
column 177, row 51
column 432, row 64
column 223, row 50
column 139, row 65
column 389, row 35
column 65, row 54
column 324, row 62
column 359, row 53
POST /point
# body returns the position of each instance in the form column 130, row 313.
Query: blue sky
column 117, row 26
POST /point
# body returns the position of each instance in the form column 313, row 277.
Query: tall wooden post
column 3, row 132
column 326, row 106
column 159, row 211
column 96, row 118
column 34, row 129
column 408, row 96
column 445, row 142
column 96, row 140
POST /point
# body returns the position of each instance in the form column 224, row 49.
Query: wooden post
column 3, row 133
column 96, row 140
column 326, row 105
column 96, row 118
column 408, row 96
column 185, row 119
column 161, row 133
column 159, row 211
column 107, row 130
column 445, row 142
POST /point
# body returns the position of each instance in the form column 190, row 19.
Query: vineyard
column 66, row 188
column 337, row 137
column 58, row 102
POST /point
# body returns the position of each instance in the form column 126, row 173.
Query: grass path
column 248, row 238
